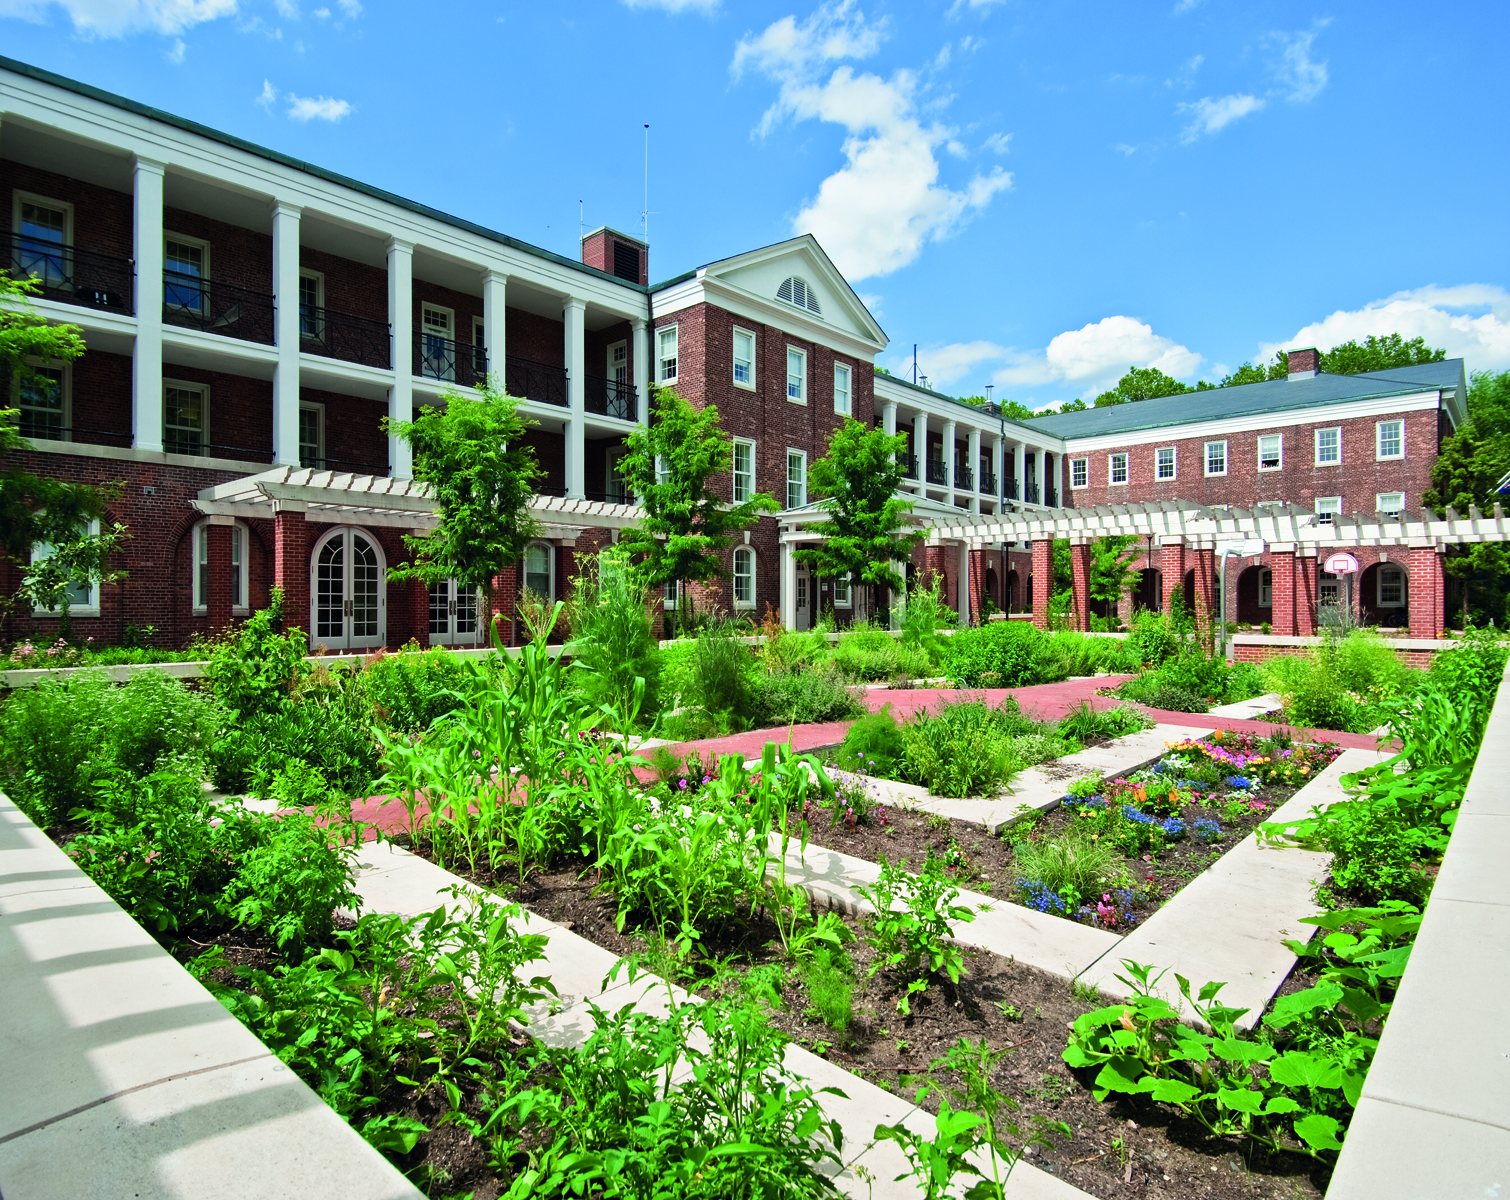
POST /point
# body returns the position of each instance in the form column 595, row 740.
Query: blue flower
column 1041, row 898
column 1174, row 827
column 1238, row 781
column 1207, row 831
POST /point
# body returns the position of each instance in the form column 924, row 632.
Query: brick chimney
column 617, row 254
column 1305, row 363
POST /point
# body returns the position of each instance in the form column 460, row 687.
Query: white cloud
column 973, row 5
column 269, row 95
column 1470, row 321
column 1208, row 115
column 1184, row 6
column 872, row 301
column 943, row 364
column 176, row 53
column 322, row 108
column 116, row 18
column 1094, row 357
column 1125, row 150
column 1302, row 78
column 876, row 212
column 998, row 143
column 322, row 14
column 350, row 9
column 287, row 9
column 675, row 6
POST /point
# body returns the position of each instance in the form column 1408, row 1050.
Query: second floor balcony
column 1009, row 488
column 448, row 360
column 938, row 471
column 964, row 478
column 540, row 382
column 1051, row 497
column 988, row 483
column 217, row 307
column 71, row 275
column 909, row 465
column 1030, row 496
column 345, row 336
column 611, row 398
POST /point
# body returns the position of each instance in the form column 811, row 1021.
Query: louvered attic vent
column 795, row 291
column 626, row 261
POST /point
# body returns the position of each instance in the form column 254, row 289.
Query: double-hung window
column 744, row 470
column 1216, row 458
column 796, row 478
column 665, row 355
column 1080, row 472
column 312, row 436
column 46, row 235
column 1389, row 504
column 186, row 418
column 1329, row 447
column 796, row 376
column 1266, row 588
column 842, row 403
column 1164, row 463
column 1391, row 439
column 1271, row 452
column 83, row 595
column 538, row 577
column 186, row 269
column 1391, row 593
column 1328, row 508
column 42, row 396
column 842, row 596
column 744, row 358
column 1116, row 468
column 744, row 577
column 311, row 306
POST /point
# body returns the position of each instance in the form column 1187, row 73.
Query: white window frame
column 668, row 598
column 612, row 457
column 1206, row 459
column 451, row 636
column 1381, row 497
column 847, row 390
column 801, row 396
column 204, row 414
column 1280, row 438
column 550, row 567
column 1266, row 587
column 1111, row 468
column 1324, row 513
column 198, row 559
column 1379, row 600
column 1080, row 472
column 50, row 364
column 43, row 550
column 318, row 408
column 844, row 595
column 745, row 554
column 747, row 384
column 1329, row 462
column 319, row 277
column 19, row 198
column 1327, row 582
column 801, row 456
column 1158, row 464
column 742, row 444
column 204, row 250
column 1379, row 426
column 664, row 335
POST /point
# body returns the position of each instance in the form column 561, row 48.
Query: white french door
column 348, row 591
column 454, row 614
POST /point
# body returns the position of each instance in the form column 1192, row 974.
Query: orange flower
column 1127, row 1021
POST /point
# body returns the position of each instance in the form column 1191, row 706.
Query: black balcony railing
column 909, row 465
column 987, row 483
column 1032, row 494
column 1009, row 488
column 1051, row 497
column 610, row 398
column 540, row 382
column 345, row 465
column 937, row 471
column 31, row 427
column 448, row 360
column 180, row 442
column 619, row 495
column 964, row 477
column 217, row 307
column 71, row 275
column 346, row 336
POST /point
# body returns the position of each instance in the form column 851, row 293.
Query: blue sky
column 1038, row 195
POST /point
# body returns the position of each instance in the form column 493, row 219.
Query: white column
column 641, row 368
column 998, row 468
column 147, row 353
column 889, row 418
column 286, row 333
column 964, row 582
column 788, row 585
column 1020, row 469
column 920, row 445
column 1048, row 476
column 495, row 323
column 974, row 452
column 401, row 318
column 950, row 429
column 573, row 314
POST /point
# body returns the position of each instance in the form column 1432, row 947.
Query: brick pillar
column 1439, row 606
column 291, row 567
column 221, row 581
column 1425, row 602
column 1172, row 570
column 1205, row 587
column 1282, row 564
column 978, row 586
column 501, row 613
column 936, row 566
column 419, row 613
column 1080, row 574
column 1043, row 581
column 1306, row 581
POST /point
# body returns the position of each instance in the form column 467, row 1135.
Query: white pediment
column 762, row 274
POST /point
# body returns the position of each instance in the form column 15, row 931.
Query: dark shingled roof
column 1275, row 395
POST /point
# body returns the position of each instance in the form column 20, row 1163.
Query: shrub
column 410, row 690
column 256, row 671
column 805, row 698
column 964, row 750
column 1154, row 637
column 1068, row 653
column 923, row 614
column 873, row 745
column 724, row 683
column 1070, row 865
column 612, row 642
column 869, row 655
column 1000, row 654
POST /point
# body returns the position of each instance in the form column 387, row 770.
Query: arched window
column 744, row 577
column 348, row 590
column 538, row 576
column 795, row 290
column 240, row 556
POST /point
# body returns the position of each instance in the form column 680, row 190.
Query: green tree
column 1111, row 567
column 1378, row 354
column 859, row 480
column 1146, row 383
column 36, row 511
column 471, row 457
column 687, row 527
column 1248, row 373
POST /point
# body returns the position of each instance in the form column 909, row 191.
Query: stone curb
column 137, row 1082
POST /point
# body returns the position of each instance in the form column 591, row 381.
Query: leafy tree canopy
column 472, row 457
column 865, row 534
column 1349, row 358
column 687, row 525
column 1146, row 383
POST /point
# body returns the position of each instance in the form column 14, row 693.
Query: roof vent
column 795, row 291
column 1305, row 363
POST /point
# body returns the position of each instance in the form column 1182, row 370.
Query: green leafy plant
column 911, row 923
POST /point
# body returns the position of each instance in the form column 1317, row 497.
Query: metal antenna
column 581, row 219
column 914, row 362
column 645, row 213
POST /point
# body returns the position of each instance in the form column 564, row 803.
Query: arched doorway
column 1150, row 590
column 1190, row 590
column 348, row 591
column 1013, row 601
column 1383, row 595
column 1255, row 596
column 992, row 593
